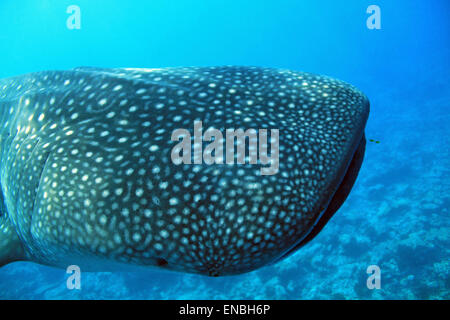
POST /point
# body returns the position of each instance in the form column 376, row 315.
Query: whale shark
column 87, row 177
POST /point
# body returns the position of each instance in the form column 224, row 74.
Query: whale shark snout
column 88, row 177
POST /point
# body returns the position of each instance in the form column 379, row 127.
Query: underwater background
column 397, row 215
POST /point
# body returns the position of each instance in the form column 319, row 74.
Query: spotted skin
column 87, row 177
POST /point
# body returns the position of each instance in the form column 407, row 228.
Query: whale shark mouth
column 337, row 200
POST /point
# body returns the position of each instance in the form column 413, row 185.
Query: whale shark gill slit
column 45, row 162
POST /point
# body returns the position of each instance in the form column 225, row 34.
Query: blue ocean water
column 397, row 215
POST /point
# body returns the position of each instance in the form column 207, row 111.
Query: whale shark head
column 88, row 175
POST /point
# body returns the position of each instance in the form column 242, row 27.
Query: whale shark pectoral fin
column 11, row 248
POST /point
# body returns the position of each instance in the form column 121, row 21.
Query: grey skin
column 87, row 176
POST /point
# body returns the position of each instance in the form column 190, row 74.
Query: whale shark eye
column 161, row 262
